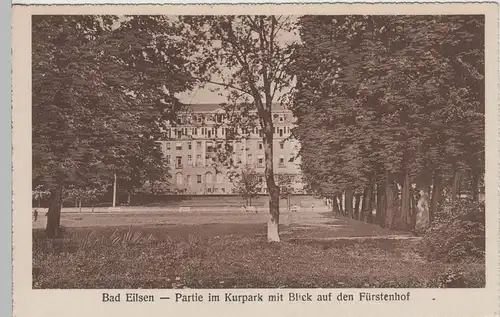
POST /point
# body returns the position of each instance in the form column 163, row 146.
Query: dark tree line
column 390, row 113
column 102, row 86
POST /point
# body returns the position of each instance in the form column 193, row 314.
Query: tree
column 102, row 87
column 284, row 182
column 378, row 101
column 246, row 183
column 40, row 193
column 247, row 55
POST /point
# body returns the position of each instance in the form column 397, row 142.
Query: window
column 198, row 179
column 249, row 159
column 168, row 159
column 261, row 161
column 194, row 131
column 239, row 159
column 216, row 190
column 219, row 177
column 168, row 146
column 282, row 145
column 260, row 146
column 198, row 145
column 179, row 134
column 209, row 133
column 282, row 161
column 222, row 130
column 178, row 146
column 178, row 178
column 189, row 180
column 208, row 178
column 190, row 160
column 198, row 160
column 209, row 190
column 178, row 162
column 281, row 132
column 223, row 190
column 210, row 147
column 189, row 146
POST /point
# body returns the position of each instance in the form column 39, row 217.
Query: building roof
column 212, row 107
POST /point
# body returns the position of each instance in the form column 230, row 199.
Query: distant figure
column 312, row 207
column 35, row 214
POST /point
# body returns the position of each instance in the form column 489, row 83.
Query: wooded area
column 390, row 113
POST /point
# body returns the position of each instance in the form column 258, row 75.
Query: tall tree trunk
column 436, row 195
column 339, row 203
column 389, row 200
column 39, row 202
column 348, row 201
column 380, row 208
column 475, row 185
column 413, row 208
column 405, row 201
column 129, row 198
column 357, row 205
column 335, row 206
column 455, row 185
column 366, row 209
column 422, row 217
column 114, row 190
column 274, row 191
column 54, row 212
column 79, row 205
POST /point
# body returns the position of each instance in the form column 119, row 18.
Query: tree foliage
column 102, row 86
column 246, row 183
column 392, row 100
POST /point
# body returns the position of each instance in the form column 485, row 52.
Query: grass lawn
column 233, row 256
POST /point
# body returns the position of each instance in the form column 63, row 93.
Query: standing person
column 312, row 207
column 35, row 214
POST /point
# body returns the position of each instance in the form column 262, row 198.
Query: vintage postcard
column 334, row 159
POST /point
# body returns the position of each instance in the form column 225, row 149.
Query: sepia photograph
column 258, row 151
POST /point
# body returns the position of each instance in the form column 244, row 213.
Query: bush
column 457, row 233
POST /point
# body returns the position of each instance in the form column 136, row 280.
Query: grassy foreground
column 234, row 256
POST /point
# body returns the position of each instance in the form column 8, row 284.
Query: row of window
column 217, row 118
column 239, row 160
column 210, row 146
column 208, row 179
column 215, row 132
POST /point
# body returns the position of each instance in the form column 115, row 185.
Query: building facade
column 190, row 150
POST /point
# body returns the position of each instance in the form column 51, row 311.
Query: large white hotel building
column 189, row 149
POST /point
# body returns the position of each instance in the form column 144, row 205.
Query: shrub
column 457, row 233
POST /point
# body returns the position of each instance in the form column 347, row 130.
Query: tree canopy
column 394, row 98
column 102, row 86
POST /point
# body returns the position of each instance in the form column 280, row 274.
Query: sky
column 201, row 95
column 206, row 95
